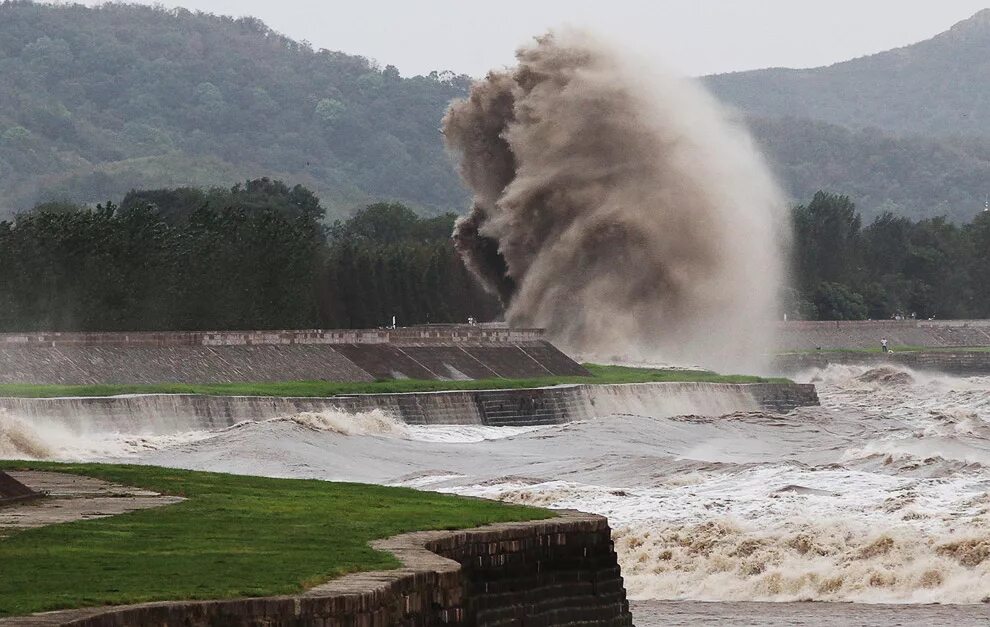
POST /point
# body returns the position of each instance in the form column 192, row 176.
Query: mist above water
column 618, row 207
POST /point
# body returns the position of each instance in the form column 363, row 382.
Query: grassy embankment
column 599, row 375
column 233, row 536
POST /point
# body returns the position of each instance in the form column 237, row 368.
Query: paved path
column 73, row 497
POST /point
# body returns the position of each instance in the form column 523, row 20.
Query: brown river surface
column 694, row 613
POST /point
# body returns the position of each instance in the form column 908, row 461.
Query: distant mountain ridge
column 95, row 101
column 906, row 131
column 936, row 87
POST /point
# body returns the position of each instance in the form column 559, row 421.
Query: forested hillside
column 936, row 87
column 914, row 177
column 96, row 101
column 906, row 130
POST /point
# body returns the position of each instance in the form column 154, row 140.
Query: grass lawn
column 600, row 374
column 234, row 536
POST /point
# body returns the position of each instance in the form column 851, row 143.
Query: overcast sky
column 694, row 37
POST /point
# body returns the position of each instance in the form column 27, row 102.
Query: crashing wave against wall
column 618, row 207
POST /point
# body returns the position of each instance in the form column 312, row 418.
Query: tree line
column 260, row 255
column 894, row 266
column 257, row 255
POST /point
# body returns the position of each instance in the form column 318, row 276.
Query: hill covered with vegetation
column 903, row 131
column 96, row 101
column 911, row 176
column 936, row 87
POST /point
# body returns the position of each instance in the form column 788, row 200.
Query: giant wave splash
column 618, row 207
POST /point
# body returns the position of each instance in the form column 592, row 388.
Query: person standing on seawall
column 883, row 344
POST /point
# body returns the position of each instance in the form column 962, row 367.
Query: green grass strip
column 234, row 536
column 600, row 374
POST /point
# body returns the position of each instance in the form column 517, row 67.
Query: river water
column 878, row 497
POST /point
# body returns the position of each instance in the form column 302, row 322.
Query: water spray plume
column 619, row 208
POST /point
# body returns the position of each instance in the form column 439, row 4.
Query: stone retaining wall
column 962, row 363
column 562, row 571
column 168, row 413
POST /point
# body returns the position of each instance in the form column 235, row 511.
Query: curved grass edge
column 234, row 536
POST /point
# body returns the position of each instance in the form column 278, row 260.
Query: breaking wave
column 618, row 207
column 879, row 495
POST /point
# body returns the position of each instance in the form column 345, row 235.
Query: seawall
column 561, row 571
column 442, row 352
column 168, row 413
column 839, row 334
column 961, row 363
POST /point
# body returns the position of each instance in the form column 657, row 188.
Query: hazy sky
column 691, row 36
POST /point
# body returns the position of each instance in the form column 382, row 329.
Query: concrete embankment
column 445, row 352
column 561, row 571
column 168, row 413
column 858, row 334
column 947, row 346
column 961, row 363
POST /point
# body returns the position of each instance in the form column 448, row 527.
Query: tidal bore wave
column 879, row 495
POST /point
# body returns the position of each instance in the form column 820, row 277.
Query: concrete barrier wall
column 165, row 413
column 962, row 363
column 561, row 571
column 809, row 335
column 113, row 362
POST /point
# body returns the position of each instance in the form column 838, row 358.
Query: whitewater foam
column 879, row 495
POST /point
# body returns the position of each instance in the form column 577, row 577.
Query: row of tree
column 254, row 256
column 260, row 255
column 892, row 267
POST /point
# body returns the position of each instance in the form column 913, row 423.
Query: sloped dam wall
column 442, row 352
column 167, row 413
